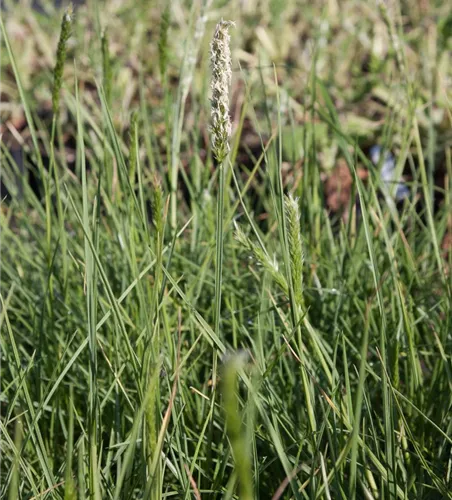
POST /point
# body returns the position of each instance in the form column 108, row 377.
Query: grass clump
column 160, row 218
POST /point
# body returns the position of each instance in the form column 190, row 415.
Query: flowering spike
column 65, row 33
column 295, row 246
column 220, row 56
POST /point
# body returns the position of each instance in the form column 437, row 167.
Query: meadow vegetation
column 207, row 290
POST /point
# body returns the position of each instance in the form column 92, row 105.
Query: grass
column 171, row 328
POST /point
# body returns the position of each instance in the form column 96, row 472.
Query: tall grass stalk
column 65, row 33
column 294, row 263
column 220, row 55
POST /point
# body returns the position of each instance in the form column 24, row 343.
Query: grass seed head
column 295, row 246
column 220, row 56
column 65, row 33
column 157, row 206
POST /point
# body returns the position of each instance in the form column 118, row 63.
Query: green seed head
column 295, row 246
column 157, row 207
column 65, row 33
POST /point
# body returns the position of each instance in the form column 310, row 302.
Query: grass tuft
column 188, row 200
